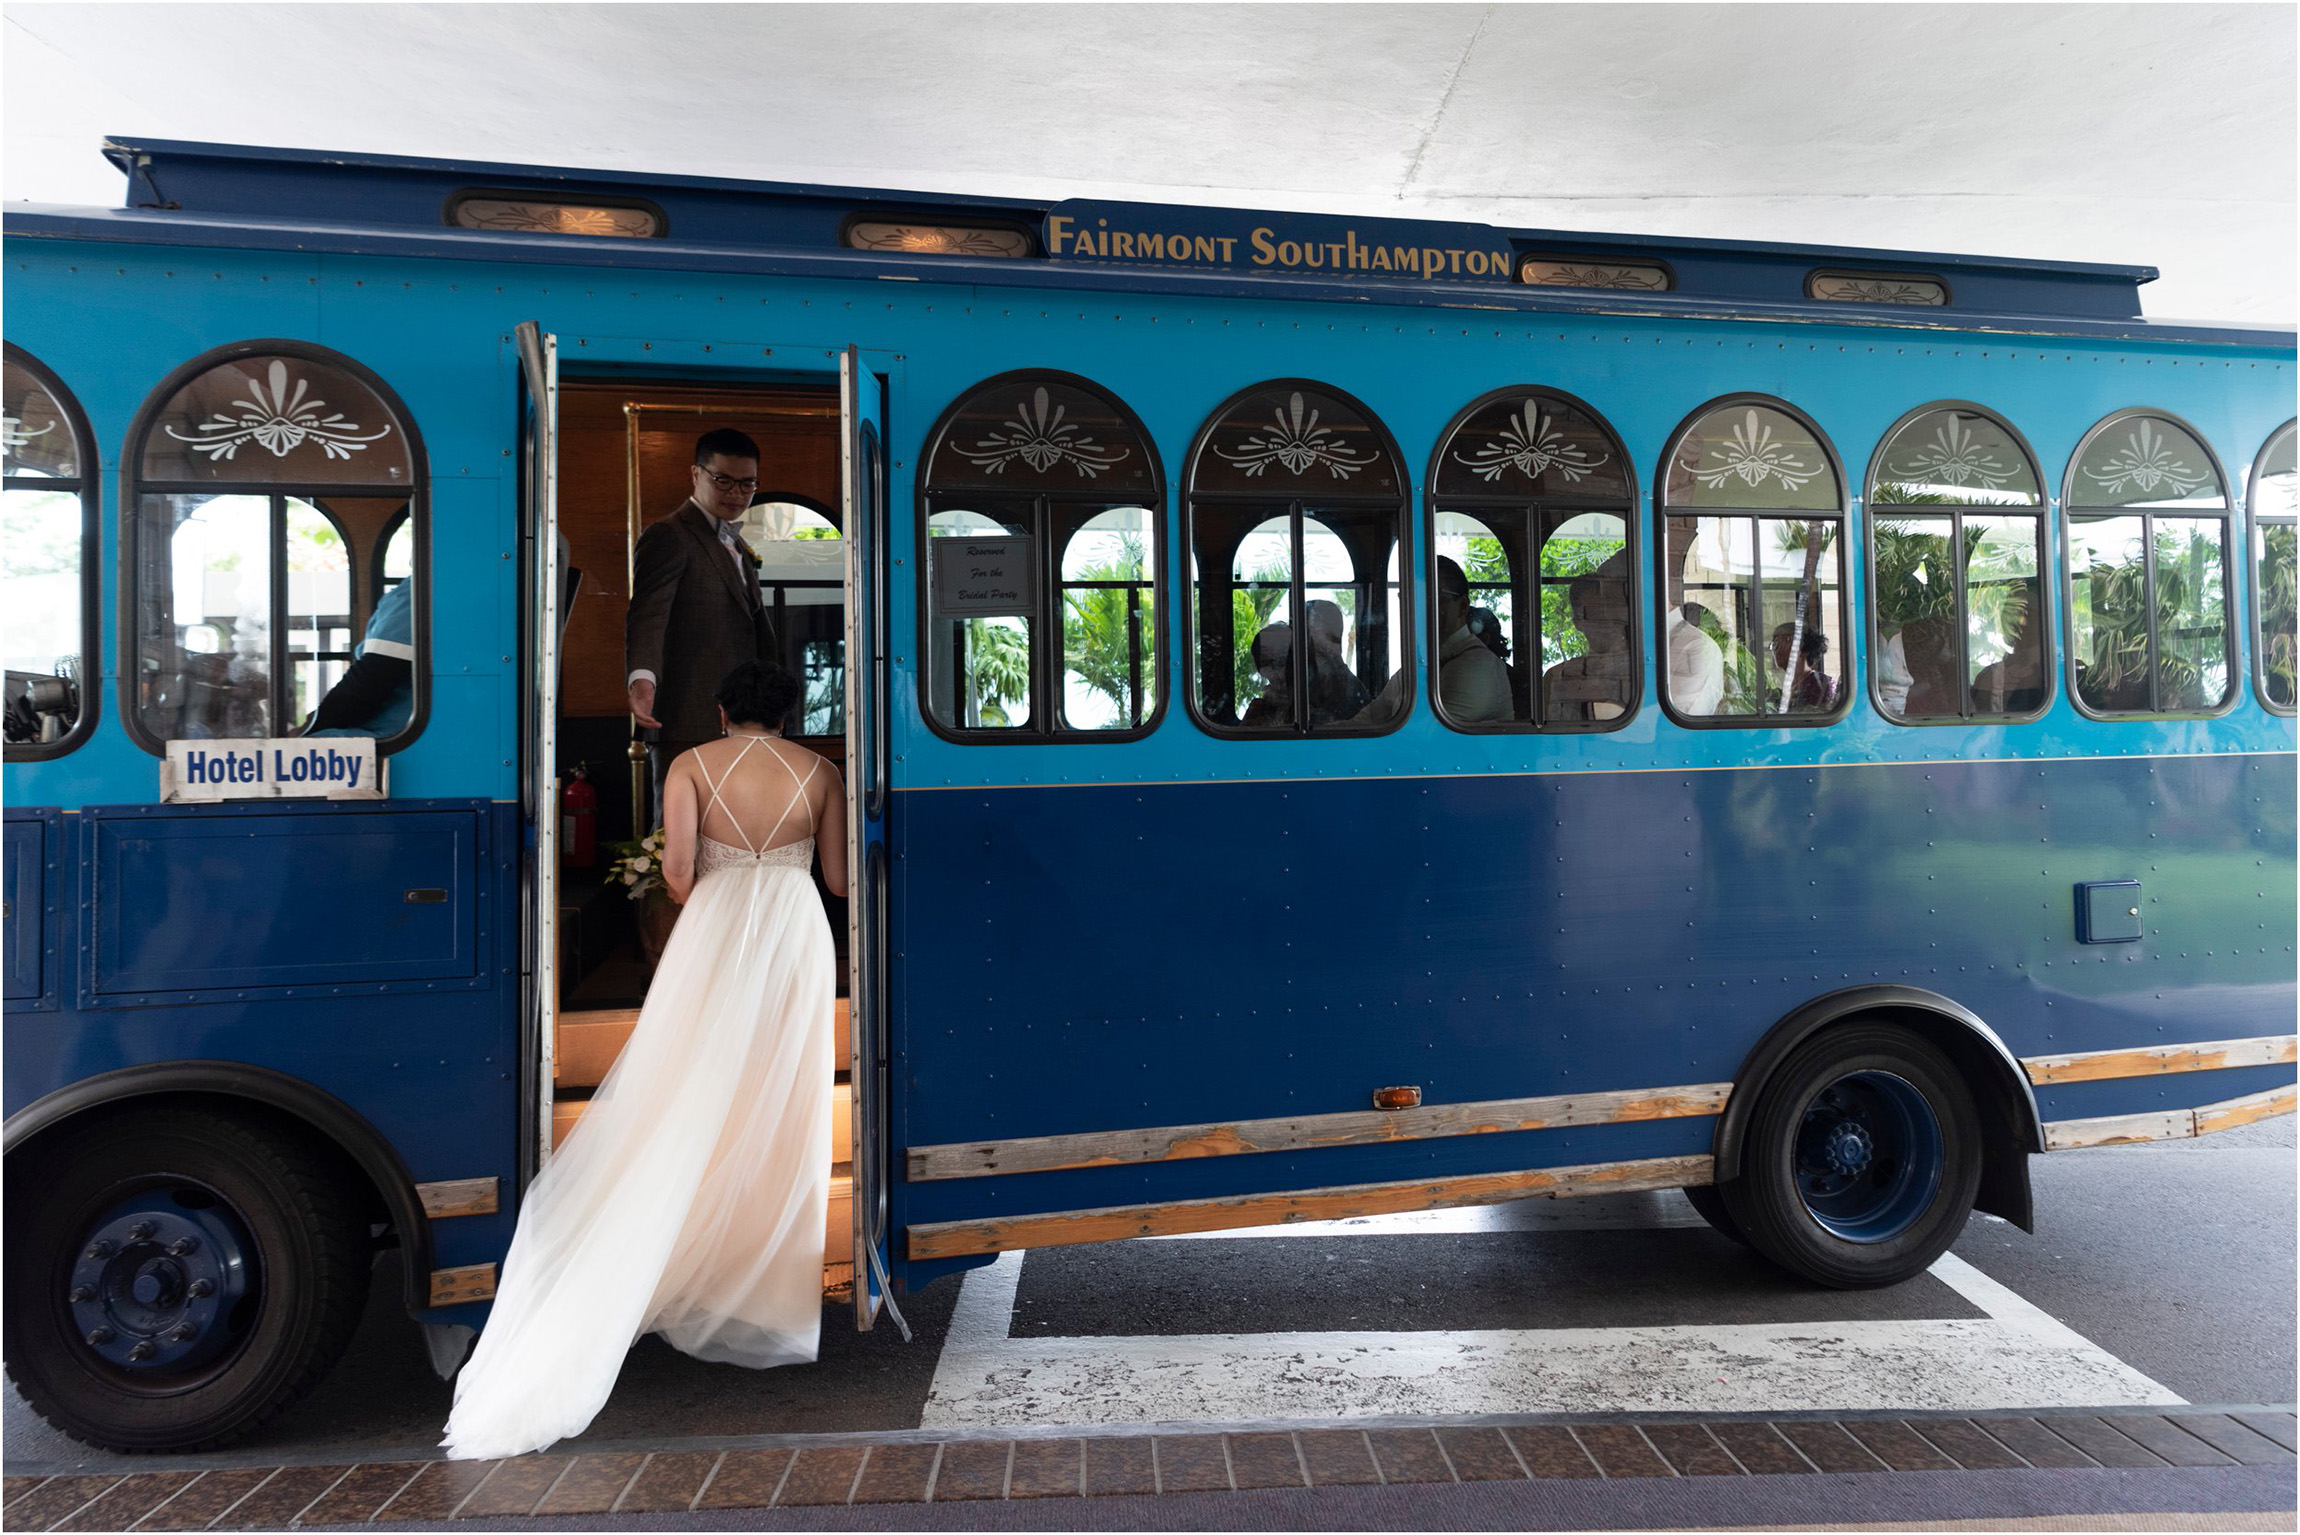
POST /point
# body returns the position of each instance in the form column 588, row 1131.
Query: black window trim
column 89, row 483
column 2256, row 640
column 133, row 487
column 1874, row 641
column 1532, row 507
column 2071, row 508
column 1846, row 567
column 1294, row 508
column 1045, row 681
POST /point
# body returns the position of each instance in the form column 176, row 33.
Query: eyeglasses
column 727, row 482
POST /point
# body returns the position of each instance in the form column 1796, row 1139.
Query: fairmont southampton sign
column 1294, row 244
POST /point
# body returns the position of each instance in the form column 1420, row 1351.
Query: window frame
column 1874, row 641
column 133, row 488
column 1295, row 508
column 2253, row 552
column 2070, row 509
column 1046, row 566
column 778, row 611
column 1530, row 508
column 1847, row 566
column 90, row 487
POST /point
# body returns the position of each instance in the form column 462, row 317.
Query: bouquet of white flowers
column 638, row 866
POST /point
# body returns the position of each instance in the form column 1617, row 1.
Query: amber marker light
column 1397, row 1097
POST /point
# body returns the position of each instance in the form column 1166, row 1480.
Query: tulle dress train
column 690, row 1198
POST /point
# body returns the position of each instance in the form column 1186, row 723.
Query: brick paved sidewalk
column 918, row 1468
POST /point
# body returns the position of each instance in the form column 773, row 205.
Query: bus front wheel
column 175, row 1277
column 1861, row 1161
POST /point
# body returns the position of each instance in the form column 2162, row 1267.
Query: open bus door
column 539, row 730
column 862, row 474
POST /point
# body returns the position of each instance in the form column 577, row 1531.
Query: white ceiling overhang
column 2146, row 134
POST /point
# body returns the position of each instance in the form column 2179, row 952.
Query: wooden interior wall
column 797, row 433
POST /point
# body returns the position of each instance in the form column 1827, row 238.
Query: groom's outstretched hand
column 643, row 703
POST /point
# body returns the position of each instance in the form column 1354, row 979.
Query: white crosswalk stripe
column 2013, row 1356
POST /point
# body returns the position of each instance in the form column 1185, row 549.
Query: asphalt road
column 2157, row 1273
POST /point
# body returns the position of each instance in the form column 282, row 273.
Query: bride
column 690, row 1198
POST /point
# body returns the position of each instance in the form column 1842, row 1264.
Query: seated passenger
column 1597, row 685
column 1917, row 673
column 2016, row 683
column 1473, row 684
column 1273, row 653
column 376, row 694
column 1336, row 694
column 1813, row 691
column 1696, row 664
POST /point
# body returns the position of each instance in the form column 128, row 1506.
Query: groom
column 695, row 612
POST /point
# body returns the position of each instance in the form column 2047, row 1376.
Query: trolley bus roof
column 252, row 198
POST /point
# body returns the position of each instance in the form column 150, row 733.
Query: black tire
column 1933, row 1183
column 289, row 1306
column 1710, row 1206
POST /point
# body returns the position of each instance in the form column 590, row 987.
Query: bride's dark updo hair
column 757, row 694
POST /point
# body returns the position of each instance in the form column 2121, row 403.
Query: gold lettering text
column 1264, row 251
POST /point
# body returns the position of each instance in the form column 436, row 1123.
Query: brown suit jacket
column 692, row 620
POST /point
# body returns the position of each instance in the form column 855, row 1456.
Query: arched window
column 1752, row 618
column 802, row 581
column 1956, row 559
column 2148, row 570
column 1297, row 518
column 1531, row 506
column 1044, row 511
column 2275, row 503
column 48, row 502
column 264, row 479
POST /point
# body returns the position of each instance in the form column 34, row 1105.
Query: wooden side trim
column 2214, row 1055
column 1308, row 1132
column 2170, row 1124
column 952, row 1239
column 452, row 1287
column 460, row 1196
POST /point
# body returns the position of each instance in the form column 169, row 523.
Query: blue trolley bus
column 1339, row 716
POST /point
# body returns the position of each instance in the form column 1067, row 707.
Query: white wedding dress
column 690, row 1198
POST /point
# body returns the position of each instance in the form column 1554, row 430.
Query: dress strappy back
column 710, row 853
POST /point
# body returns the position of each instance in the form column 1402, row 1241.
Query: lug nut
column 82, row 1294
column 99, row 1336
column 183, row 1247
column 143, row 1351
column 101, row 1251
column 201, row 1289
column 185, row 1333
column 141, row 1231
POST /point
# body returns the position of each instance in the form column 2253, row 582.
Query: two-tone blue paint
column 1290, row 923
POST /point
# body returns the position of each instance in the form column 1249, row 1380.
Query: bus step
column 588, row 1042
column 568, row 1108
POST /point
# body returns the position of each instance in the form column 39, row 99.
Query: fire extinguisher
column 579, row 820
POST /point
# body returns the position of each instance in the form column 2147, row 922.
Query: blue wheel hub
column 158, row 1280
column 1869, row 1156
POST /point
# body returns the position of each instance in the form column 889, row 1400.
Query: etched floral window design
column 1617, row 276
column 1753, row 618
column 1956, row 548
column 1295, row 533
column 1876, row 288
column 2148, row 546
column 1532, row 503
column 527, row 216
column 938, row 240
column 1044, row 523
column 267, row 488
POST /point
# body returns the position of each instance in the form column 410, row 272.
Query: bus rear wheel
column 1861, row 1160
column 176, row 1278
